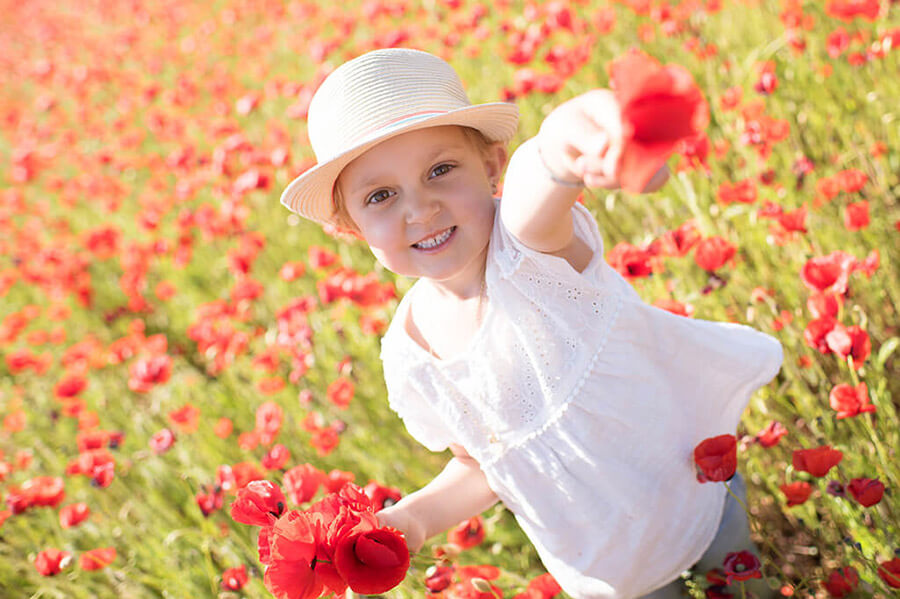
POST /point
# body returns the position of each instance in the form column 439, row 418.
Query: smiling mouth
column 437, row 240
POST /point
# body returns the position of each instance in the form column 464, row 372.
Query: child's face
column 423, row 202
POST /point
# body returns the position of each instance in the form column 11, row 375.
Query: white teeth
column 434, row 241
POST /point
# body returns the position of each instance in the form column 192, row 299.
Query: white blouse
column 583, row 404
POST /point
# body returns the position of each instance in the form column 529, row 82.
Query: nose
column 420, row 207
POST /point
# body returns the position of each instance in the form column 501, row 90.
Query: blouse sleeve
column 406, row 398
column 509, row 250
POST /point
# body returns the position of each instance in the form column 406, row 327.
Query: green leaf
column 887, row 348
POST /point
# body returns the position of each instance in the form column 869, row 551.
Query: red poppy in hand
column 717, row 458
column 373, row 561
column 661, row 105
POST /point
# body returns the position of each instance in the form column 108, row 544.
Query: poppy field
column 170, row 335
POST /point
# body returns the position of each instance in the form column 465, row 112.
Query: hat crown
column 377, row 92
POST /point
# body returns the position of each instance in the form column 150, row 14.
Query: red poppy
column 828, row 273
column 675, row 307
column 771, row 435
column 269, row 417
column 838, row 340
column 870, row 263
column 824, row 304
column 259, row 503
column 816, row 333
column 837, row 42
column 302, row 482
column 438, row 578
column 70, row 386
column 97, row 559
column 630, row 261
column 861, row 345
column 291, row 271
column 324, row 440
column 717, row 458
column 856, row 216
column 276, row 458
column 270, row 385
column 889, row 572
column 849, row 401
column 847, row 10
column 186, row 418
column 340, row 392
column 162, row 441
column 467, row 534
column 817, row 461
column 851, row 180
column 40, row 491
column 796, row 492
column 320, row 257
column 149, row 372
column 794, row 221
column 336, row 480
column 660, row 105
column 234, row 579
column 713, row 252
column 543, row 586
column 866, row 491
column 292, row 579
column 245, row 473
column 50, row 562
column 223, row 427
column 373, row 561
column 841, row 582
column 73, row 514
column 678, row 242
column 210, row 500
column 741, row 566
column 743, row 192
column 380, row 495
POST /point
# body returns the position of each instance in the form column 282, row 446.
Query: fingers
column 598, row 139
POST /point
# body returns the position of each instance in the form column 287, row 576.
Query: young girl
column 558, row 391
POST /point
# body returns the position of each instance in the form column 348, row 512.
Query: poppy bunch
column 334, row 544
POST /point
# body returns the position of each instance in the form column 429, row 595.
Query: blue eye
column 441, row 169
column 378, row 197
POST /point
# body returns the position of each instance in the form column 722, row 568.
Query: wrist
column 557, row 174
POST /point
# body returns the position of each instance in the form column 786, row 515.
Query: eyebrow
column 369, row 182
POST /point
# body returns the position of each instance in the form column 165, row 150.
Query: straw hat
column 377, row 96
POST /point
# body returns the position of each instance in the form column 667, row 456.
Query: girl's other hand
column 397, row 516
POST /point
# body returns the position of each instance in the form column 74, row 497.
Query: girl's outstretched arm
column 579, row 144
column 459, row 492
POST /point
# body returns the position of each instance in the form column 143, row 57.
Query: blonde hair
column 341, row 217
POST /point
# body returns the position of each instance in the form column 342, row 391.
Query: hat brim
column 310, row 195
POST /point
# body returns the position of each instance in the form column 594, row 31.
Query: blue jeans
column 733, row 535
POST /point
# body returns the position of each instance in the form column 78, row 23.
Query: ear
column 495, row 157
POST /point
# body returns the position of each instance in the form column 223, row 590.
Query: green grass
column 166, row 78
